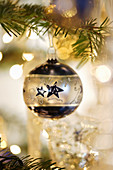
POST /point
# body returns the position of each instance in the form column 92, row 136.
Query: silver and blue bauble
column 52, row 90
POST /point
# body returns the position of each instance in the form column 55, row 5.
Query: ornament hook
column 51, row 54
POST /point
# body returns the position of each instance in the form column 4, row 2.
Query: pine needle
column 15, row 19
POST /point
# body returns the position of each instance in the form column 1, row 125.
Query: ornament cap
column 53, row 67
column 51, row 54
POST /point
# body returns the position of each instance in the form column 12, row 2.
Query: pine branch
column 8, row 161
column 91, row 40
column 15, row 18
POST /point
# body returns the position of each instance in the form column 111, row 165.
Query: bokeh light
column 45, row 134
column 103, row 73
column 1, row 56
column 15, row 149
column 16, row 71
column 85, row 168
column 63, row 53
column 3, row 144
column 27, row 56
column 7, row 38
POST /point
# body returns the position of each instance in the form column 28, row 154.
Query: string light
column 15, row 149
column 7, row 38
column 1, row 56
column 27, row 56
column 16, row 71
column 103, row 73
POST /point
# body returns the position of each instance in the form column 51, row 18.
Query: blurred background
column 20, row 55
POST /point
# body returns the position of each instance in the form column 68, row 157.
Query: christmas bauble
column 52, row 90
column 70, row 13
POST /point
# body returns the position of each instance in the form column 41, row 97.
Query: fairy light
column 103, row 73
column 16, row 71
column 1, row 56
column 27, row 56
column 7, row 38
column 15, row 149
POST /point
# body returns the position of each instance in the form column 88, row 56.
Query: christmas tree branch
column 15, row 19
column 90, row 41
column 8, row 161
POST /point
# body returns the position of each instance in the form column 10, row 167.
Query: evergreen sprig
column 8, row 161
column 15, row 18
column 91, row 40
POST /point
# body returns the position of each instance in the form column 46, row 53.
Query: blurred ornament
column 69, row 141
column 52, row 90
column 88, row 160
column 70, row 13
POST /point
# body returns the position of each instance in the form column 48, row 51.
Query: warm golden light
column 63, row 53
column 85, row 168
column 15, row 149
column 16, row 71
column 103, row 73
column 45, row 134
column 95, row 53
column 32, row 35
column 1, row 56
column 27, row 56
column 7, row 38
column 50, row 9
column 70, row 13
column 3, row 144
column 94, row 152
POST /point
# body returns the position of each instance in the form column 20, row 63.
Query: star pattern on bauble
column 41, row 91
column 54, row 90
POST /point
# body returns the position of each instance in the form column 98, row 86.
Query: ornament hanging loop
column 51, row 54
column 50, row 36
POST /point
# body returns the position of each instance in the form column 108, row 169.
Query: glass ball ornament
column 52, row 90
column 70, row 13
